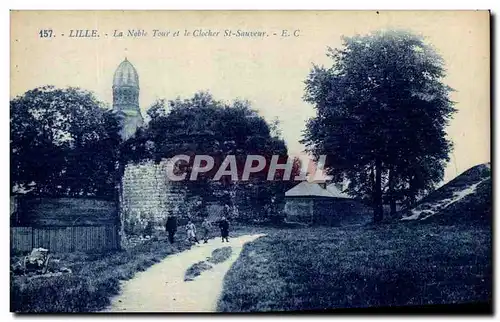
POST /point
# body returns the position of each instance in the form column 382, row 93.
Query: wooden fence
column 65, row 239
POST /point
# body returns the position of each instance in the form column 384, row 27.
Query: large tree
column 64, row 142
column 382, row 109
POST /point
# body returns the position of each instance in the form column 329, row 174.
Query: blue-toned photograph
column 250, row 161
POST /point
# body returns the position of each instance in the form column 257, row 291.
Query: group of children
column 207, row 227
column 171, row 228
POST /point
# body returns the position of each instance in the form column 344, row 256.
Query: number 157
column 45, row 33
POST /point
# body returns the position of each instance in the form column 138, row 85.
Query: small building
column 317, row 203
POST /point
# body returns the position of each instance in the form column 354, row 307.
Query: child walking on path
column 206, row 225
column 191, row 232
column 224, row 229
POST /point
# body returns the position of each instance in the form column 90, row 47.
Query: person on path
column 191, row 232
column 171, row 227
column 224, row 229
column 206, row 225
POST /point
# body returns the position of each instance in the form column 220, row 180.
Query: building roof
column 126, row 75
column 313, row 189
column 336, row 192
column 308, row 189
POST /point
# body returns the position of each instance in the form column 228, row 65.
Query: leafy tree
column 202, row 125
column 381, row 115
column 63, row 143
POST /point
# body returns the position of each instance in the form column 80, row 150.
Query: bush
column 149, row 229
column 143, row 224
column 132, row 226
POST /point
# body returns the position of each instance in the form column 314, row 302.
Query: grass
column 295, row 269
column 473, row 209
column 462, row 181
column 219, row 255
column 388, row 265
column 95, row 278
column 195, row 270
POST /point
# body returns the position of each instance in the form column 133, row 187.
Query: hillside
column 465, row 199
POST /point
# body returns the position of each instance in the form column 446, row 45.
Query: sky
column 268, row 71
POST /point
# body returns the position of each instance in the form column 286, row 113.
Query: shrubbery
column 141, row 225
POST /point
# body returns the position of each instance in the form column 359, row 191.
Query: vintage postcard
column 250, row 161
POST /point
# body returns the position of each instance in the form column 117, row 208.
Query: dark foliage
column 63, row 143
column 202, row 125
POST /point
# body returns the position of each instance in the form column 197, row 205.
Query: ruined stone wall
column 147, row 192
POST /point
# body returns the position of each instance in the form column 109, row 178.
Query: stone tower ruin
column 146, row 192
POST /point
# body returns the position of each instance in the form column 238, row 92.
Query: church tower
column 126, row 99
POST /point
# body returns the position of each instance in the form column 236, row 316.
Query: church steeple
column 126, row 98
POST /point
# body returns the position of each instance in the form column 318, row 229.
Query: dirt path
column 161, row 288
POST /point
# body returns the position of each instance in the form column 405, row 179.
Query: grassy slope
column 391, row 265
column 468, row 177
column 473, row 208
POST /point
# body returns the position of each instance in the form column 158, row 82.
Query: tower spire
column 126, row 98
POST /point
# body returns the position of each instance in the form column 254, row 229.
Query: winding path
column 161, row 288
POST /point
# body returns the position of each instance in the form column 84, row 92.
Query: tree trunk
column 121, row 240
column 392, row 197
column 378, row 211
column 121, row 222
column 411, row 194
column 393, row 206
